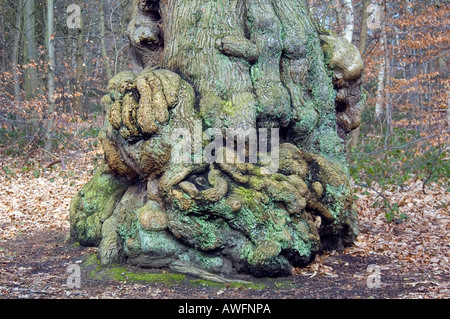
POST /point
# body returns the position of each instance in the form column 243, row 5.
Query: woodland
column 56, row 60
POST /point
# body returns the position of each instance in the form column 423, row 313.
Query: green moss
column 93, row 204
column 334, row 197
column 228, row 108
column 308, row 119
column 250, row 198
column 332, row 145
column 208, row 237
column 203, row 282
column 122, row 274
column 159, row 243
column 93, row 265
column 302, row 247
column 324, row 93
column 92, row 260
column 198, row 230
column 128, row 227
column 284, row 284
column 222, row 209
column 211, row 264
column 255, row 74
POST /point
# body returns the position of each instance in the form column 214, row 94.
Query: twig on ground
column 367, row 186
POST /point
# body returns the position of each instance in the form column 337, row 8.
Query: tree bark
column 15, row 53
column 50, row 79
column 349, row 20
column 448, row 109
column 210, row 66
column 32, row 85
column 363, row 30
column 381, row 81
column 387, row 81
column 78, row 104
column 105, row 56
column 354, row 135
column 261, row 61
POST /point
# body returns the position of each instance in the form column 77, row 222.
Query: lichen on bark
column 240, row 64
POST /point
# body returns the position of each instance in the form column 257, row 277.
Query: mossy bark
column 237, row 64
column 94, row 204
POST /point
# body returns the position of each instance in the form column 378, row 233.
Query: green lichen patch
column 94, row 204
column 123, row 274
column 120, row 273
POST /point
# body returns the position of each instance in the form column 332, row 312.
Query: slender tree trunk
column 380, row 86
column 50, row 78
column 31, row 57
column 78, row 104
column 382, row 73
column 448, row 108
column 15, row 53
column 4, row 55
column 123, row 17
column 338, row 18
column 102, row 42
column 387, row 85
column 349, row 20
column 363, row 30
column 354, row 135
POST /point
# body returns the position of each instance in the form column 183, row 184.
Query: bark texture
column 226, row 64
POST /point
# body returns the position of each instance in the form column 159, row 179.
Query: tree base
column 259, row 225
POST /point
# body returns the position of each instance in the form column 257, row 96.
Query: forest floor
column 409, row 256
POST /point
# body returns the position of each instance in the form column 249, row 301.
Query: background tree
column 50, row 78
column 32, row 82
column 15, row 53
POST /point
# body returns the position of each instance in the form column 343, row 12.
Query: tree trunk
column 15, row 53
column 380, row 85
column 32, row 85
column 102, row 43
column 4, row 54
column 50, row 79
column 364, row 27
column 387, row 81
column 349, row 20
column 354, row 135
column 78, row 104
column 240, row 70
column 448, row 109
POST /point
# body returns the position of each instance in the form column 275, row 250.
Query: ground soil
column 35, row 266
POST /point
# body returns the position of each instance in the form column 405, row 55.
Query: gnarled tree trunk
column 209, row 67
